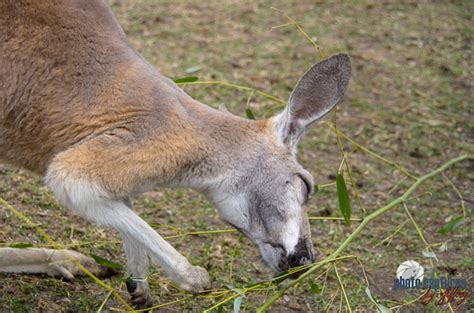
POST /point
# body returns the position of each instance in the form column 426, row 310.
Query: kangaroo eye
column 308, row 187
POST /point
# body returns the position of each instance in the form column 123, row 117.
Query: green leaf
column 21, row 245
column 315, row 288
column 188, row 79
column 238, row 303
column 343, row 195
column 379, row 306
column 452, row 225
column 193, row 69
column 280, row 277
column 249, row 114
column 101, row 261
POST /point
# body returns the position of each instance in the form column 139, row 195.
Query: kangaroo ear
column 316, row 93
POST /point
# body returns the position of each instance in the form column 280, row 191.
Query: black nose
column 303, row 255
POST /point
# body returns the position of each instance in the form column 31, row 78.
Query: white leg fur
column 92, row 202
column 137, row 267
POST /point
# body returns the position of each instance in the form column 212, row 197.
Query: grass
column 409, row 100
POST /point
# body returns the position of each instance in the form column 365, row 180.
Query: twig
column 461, row 199
column 418, row 230
column 204, row 232
column 342, row 288
column 330, row 218
column 326, row 185
column 271, row 282
column 419, row 195
column 192, row 233
column 363, row 270
column 181, row 234
column 348, row 168
column 410, row 301
column 282, row 25
column 389, row 238
column 106, row 299
column 157, row 306
column 241, row 292
column 318, row 48
column 370, row 152
column 397, row 184
column 325, row 281
column 329, row 304
column 427, row 246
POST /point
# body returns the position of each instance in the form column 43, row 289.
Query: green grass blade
column 188, row 79
column 452, row 225
column 101, row 261
column 381, row 308
column 21, row 245
column 249, row 114
column 315, row 288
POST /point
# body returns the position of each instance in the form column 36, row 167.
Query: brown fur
column 76, row 97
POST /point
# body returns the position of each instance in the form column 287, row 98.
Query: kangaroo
column 82, row 108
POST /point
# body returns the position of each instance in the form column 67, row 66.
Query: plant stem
column 370, row 152
column 332, row 218
column 342, row 288
column 458, row 193
column 318, row 48
column 348, row 168
column 203, row 232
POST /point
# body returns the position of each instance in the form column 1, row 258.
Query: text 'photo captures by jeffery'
column 411, row 275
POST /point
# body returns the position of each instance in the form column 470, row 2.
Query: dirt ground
column 410, row 100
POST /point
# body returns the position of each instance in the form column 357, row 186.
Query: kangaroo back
column 67, row 73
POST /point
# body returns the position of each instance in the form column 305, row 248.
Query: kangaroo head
column 264, row 196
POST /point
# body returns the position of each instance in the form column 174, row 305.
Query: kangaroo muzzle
column 302, row 255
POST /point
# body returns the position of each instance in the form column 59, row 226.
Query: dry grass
column 410, row 100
